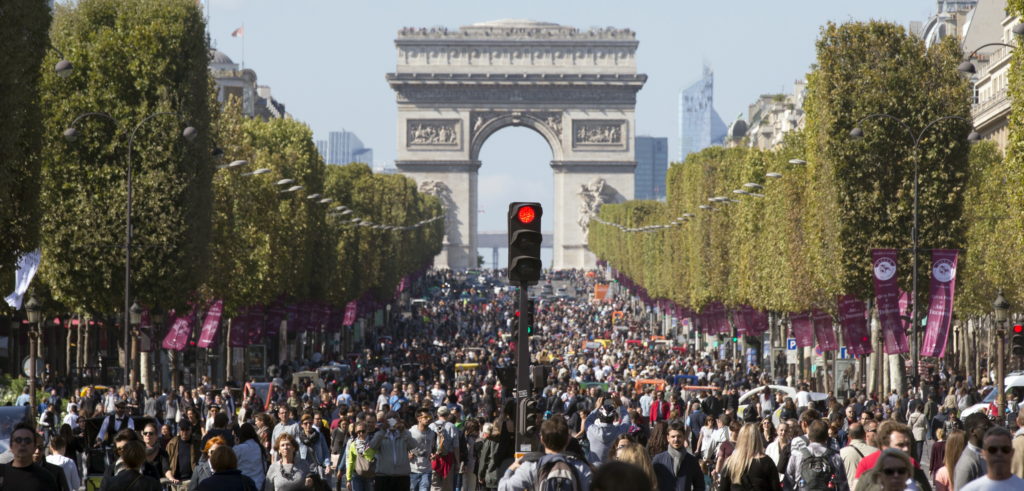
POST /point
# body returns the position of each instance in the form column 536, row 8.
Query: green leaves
column 809, row 239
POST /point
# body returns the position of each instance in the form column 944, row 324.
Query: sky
column 326, row 61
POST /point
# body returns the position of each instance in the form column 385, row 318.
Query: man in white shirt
column 645, row 403
column 72, row 417
column 56, row 457
column 998, row 454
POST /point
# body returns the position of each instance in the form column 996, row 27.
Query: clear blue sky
column 326, row 60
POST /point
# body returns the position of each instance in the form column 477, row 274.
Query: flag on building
column 237, row 33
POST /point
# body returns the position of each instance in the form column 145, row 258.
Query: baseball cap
column 443, row 411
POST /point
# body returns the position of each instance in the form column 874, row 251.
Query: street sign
column 791, row 351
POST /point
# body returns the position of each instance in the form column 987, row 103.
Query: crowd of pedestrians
column 428, row 406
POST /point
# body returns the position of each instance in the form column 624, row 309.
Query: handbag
column 364, row 468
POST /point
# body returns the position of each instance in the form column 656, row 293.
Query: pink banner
column 824, row 332
column 760, row 322
column 239, row 331
column 744, row 319
column 178, row 333
column 351, row 310
column 887, row 293
column 719, row 318
column 853, row 318
column 940, row 312
column 802, row 329
column 210, row 324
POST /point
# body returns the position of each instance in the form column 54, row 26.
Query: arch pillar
column 454, row 182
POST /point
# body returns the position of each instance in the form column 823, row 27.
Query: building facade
column 230, row 80
column 700, row 126
column 991, row 106
column 651, row 165
column 344, row 147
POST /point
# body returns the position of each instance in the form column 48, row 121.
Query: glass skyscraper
column 344, row 147
column 651, row 165
column 700, row 126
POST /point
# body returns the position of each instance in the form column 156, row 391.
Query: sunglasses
column 148, row 433
column 895, row 471
column 23, row 440
column 1006, row 449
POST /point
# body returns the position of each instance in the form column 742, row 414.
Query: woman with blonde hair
column 748, row 468
column 955, row 444
column 634, row 453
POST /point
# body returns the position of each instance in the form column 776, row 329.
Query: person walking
column 359, row 461
column 392, row 447
column 133, row 454
column 998, row 454
column 528, row 470
column 423, row 452
column 226, row 475
column 288, row 473
column 676, row 469
column 855, row 451
column 748, row 468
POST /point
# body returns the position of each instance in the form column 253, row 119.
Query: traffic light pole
column 522, row 369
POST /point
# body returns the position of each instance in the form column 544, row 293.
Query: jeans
column 419, row 482
column 361, row 483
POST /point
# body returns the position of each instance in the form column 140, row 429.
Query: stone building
column 231, row 80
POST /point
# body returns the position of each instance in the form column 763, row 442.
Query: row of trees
column 198, row 232
column 808, row 239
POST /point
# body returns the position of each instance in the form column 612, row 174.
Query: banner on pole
column 802, row 329
column 887, row 293
column 177, row 335
column 853, row 318
column 824, row 332
column 350, row 313
column 210, row 324
column 940, row 312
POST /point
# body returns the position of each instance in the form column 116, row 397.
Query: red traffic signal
column 1017, row 329
column 526, row 214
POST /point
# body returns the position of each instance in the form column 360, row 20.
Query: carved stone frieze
column 433, row 132
column 551, row 119
column 599, row 133
column 519, row 95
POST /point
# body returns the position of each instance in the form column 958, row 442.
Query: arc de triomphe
column 576, row 88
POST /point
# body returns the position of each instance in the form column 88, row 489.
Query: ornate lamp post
column 34, row 311
column 915, row 140
column 1001, row 308
column 71, row 134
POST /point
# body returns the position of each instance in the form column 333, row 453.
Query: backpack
column 364, row 468
column 555, row 472
column 816, row 472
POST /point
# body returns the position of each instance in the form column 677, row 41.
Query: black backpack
column 816, row 472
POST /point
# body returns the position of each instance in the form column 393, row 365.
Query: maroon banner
column 256, row 325
column 824, row 332
column 940, row 312
column 887, row 295
column 853, row 318
column 239, row 332
column 744, row 317
column 802, row 329
column 272, row 325
column 178, row 333
column 210, row 324
column 351, row 311
column 760, row 322
column 719, row 318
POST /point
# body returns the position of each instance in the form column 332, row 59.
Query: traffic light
column 524, row 239
column 529, row 417
column 529, row 318
column 1018, row 341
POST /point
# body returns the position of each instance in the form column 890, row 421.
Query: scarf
column 677, row 457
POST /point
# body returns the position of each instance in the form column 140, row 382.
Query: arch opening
column 515, row 165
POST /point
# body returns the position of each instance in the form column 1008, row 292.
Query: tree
column 23, row 44
column 132, row 59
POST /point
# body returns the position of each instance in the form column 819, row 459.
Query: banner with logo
column 853, row 319
column 940, row 312
column 210, row 324
column 351, row 310
column 177, row 335
column 824, row 332
column 239, row 332
column 887, row 295
column 803, row 331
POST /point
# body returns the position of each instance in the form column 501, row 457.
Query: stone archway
column 577, row 89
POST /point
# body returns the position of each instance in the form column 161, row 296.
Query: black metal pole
column 522, row 365
column 913, row 312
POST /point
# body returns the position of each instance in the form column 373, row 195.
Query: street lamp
column 857, row 133
column 1001, row 308
column 967, row 67
column 189, row 133
column 34, row 312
